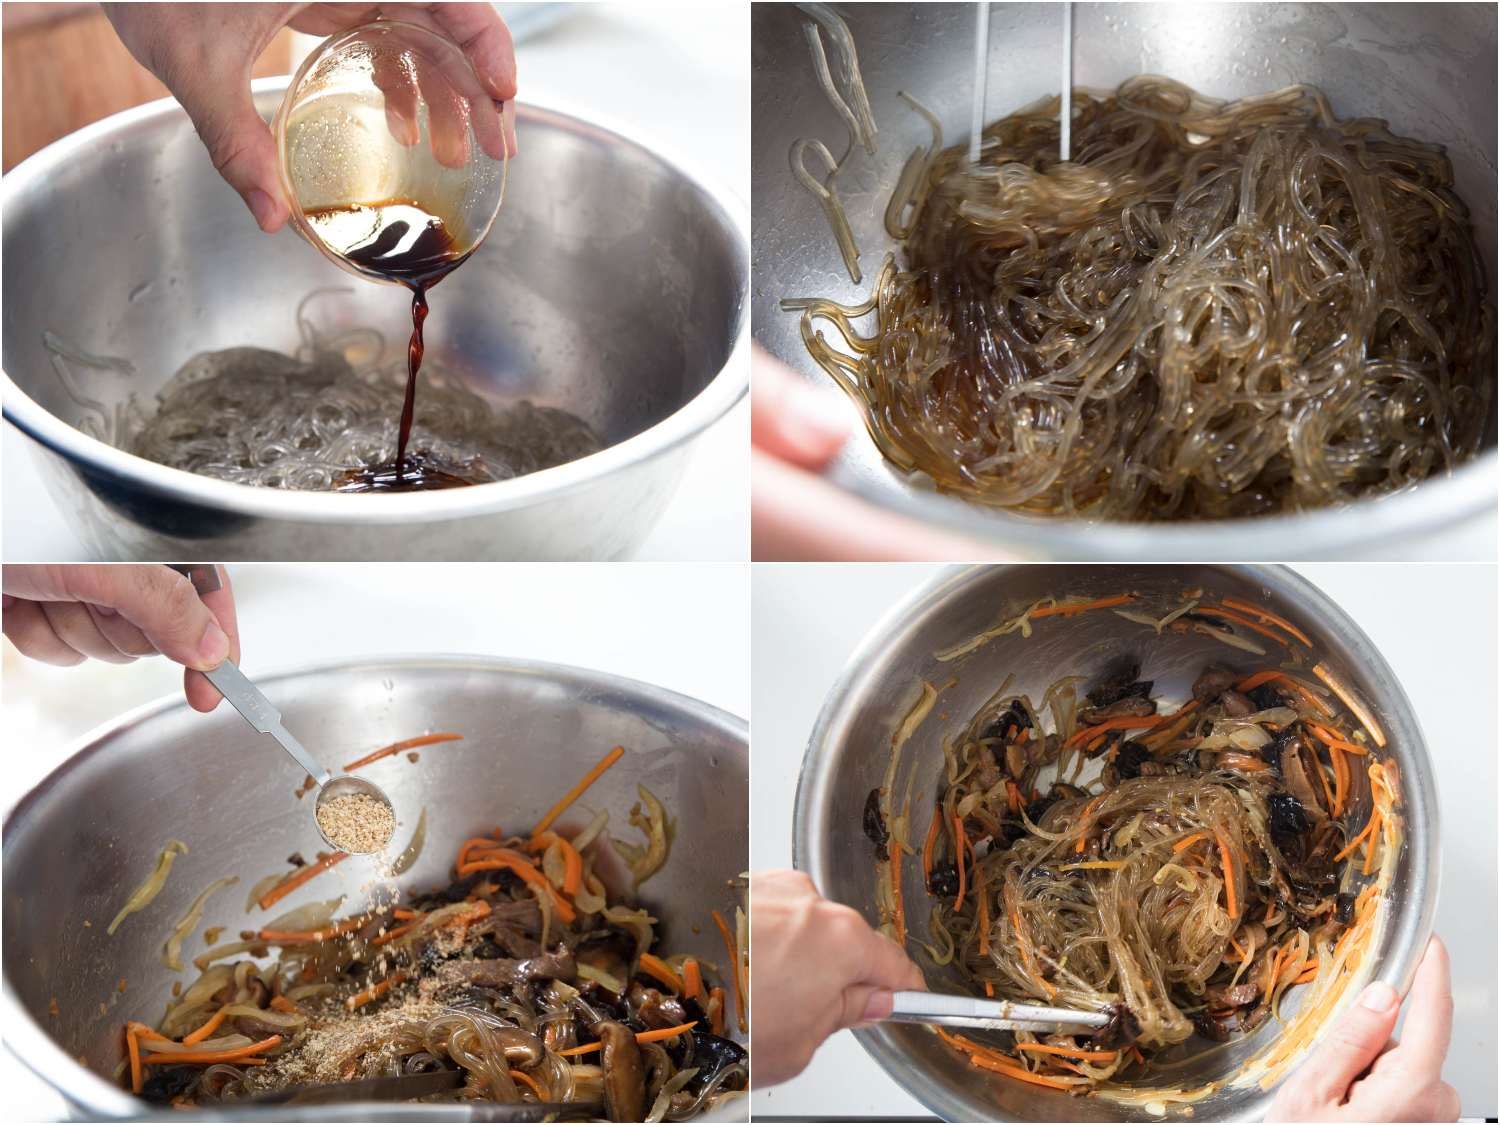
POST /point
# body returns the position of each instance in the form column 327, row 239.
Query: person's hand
column 819, row 968
column 1359, row 1073
column 796, row 430
column 203, row 54
column 65, row 614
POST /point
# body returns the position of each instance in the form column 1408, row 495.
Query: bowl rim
column 1410, row 923
column 723, row 390
column 1437, row 504
column 29, row 1043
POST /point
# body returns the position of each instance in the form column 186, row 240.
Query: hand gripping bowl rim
column 1409, row 924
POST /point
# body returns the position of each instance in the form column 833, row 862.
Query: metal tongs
column 991, row 1015
column 262, row 714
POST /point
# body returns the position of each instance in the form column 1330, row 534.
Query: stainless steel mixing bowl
column 1429, row 71
column 612, row 285
column 849, row 751
column 84, row 838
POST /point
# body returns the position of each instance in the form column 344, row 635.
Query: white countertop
column 678, row 74
column 685, row 628
column 1435, row 624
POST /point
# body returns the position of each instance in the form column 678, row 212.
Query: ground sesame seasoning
column 357, row 822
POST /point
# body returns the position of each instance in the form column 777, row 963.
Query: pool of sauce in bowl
column 417, row 250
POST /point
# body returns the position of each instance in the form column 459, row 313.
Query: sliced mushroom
column 1299, row 783
column 558, row 965
column 1212, row 682
column 1130, row 707
column 1235, row 705
column 624, row 1073
column 655, row 1009
column 1118, row 681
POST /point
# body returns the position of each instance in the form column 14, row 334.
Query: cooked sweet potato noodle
column 1217, row 309
column 1180, row 864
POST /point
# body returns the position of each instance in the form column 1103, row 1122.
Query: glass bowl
column 386, row 132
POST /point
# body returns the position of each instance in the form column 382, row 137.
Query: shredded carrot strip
column 506, row 859
column 1268, row 617
column 207, row 1029
column 1012, row 796
column 297, row 878
column 692, row 979
column 984, row 921
column 1070, row 1052
column 958, row 847
column 898, row 907
column 282, row 1004
column 234, row 1055
column 577, row 791
column 406, row 744
column 572, row 861
column 927, row 848
column 654, row 966
column 1229, row 896
column 1021, row 1073
column 523, row 1077
column 1241, row 619
column 1246, row 763
column 399, row 932
column 1066, row 610
column 1188, row 841
column 1241, row 950
column 1142, row 721
column 734, row 960
column 1083, row 837
column 298, row 937
column 475, row 844
column 640, row 1037
column 1274, row 973
column 404, row 914
column 375, row 991
column 1333, row 739
column 134, row 1048
column 1369, row 864
column 989, row 988
column 1250, row 683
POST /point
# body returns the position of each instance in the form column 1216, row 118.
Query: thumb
column 240, row 144
column 864, row 1003
column 1360, row 1035
column 159, row 602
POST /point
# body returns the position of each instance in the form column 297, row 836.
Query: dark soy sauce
column 417, row 250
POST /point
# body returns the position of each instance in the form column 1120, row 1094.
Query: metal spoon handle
column 258, row 711
column 968, row 1011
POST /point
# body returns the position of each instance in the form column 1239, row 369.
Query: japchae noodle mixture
column 1212, row 310
column 1179, row 865
column 312, row 420
column 523, row 980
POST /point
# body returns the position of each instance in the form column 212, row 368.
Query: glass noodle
column 1217, row 309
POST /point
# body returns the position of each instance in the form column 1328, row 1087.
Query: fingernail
column 262, row 206
column 213, row 648
column 1378, row 997
column 878, row 1006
